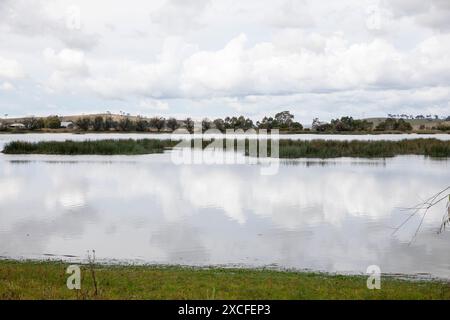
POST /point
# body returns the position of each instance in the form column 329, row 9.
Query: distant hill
column 115, row 117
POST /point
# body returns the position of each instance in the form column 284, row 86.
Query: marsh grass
column 288, row 149
column 90, row 147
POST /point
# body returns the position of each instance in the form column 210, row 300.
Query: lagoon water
column 336, row 215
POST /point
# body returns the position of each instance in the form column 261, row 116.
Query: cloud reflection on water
column 335, row 217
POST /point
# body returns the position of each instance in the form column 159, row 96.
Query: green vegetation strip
column 90, row 147
column 288, row 149
column 364, row 149
column 47, row 280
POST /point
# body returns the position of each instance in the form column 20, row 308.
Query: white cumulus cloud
column 10, row 69
column 216, row 57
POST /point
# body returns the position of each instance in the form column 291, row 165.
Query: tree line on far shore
column 283, row 121
column 347, row 124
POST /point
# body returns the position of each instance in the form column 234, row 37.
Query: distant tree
column 297, row 126
column 34, row 123
column 320, row 126
column 228, row 123
column 403, row 125
column 110, row 124
column 172, row 124
column 248, row 124
column 234, row 123
column 28, row 123
column 267, row 123
column 125, row 124
column 219, row 124
column 324, row 127
column 83, row 123
column 154, row 122
column 206, row 124
column 284, row 119
column 242, row 122
column 40, row 123
column 443, row 127
column 316, row 122
column 189, row 123
column 161, row 124
column 239, row 122
column 53, row 122
column 141, row 124
column 388, row 124
column 350, row 124
column 393, row 124
column 157, row 123
column 98, row 124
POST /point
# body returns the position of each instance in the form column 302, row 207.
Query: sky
column 214, row 58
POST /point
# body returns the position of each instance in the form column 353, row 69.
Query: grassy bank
column 47, row 280
column 287, row 148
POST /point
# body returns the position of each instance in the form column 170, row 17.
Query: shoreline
column 46, row 279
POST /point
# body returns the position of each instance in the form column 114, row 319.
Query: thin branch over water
column 422, row 209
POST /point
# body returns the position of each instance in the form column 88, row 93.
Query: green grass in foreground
column 47, row 280
column 287, row 148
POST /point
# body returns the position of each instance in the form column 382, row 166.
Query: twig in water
column 446, row 217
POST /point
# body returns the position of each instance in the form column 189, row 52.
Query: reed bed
column 365, row 149
column 288, row 149
column 90, row 147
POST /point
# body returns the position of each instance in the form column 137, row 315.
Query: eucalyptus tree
column 98, row 124
column 83, row 123
column 206, row 124
column 158, row 123
column 172, row 124
column 189, row 123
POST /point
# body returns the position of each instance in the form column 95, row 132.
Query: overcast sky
column 225, row 57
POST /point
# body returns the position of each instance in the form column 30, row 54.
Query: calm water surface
column 335, row 215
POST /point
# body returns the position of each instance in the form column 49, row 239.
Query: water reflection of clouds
column 335, row 218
